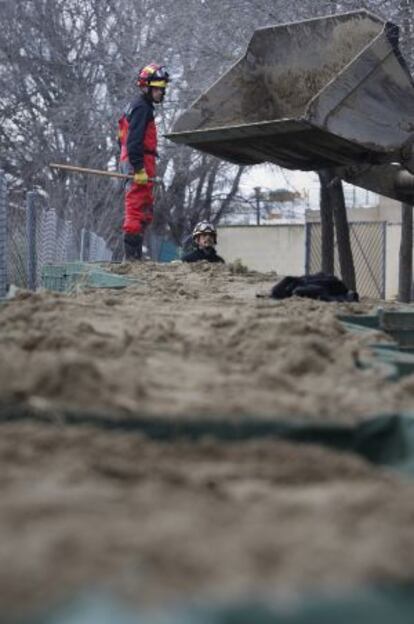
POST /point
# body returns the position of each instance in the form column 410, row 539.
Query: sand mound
column 153, row 523
column 84, row 508
column 189, row 340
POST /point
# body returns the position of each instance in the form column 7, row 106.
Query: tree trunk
column 406, row 254
column 226, row 202
column 346, row 260
column 327, row 225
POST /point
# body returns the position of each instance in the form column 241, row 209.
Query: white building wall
column 279, row 248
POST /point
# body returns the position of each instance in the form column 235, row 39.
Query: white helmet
column 205, row 227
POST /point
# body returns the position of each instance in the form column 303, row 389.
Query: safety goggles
column 159, row 84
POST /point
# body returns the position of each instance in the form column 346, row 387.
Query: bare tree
column 67, row 69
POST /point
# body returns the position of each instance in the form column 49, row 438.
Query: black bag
column 315, row 286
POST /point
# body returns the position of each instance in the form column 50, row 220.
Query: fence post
column 308, row 244
column 31, row 228
column 3, row 234
column 258, row 195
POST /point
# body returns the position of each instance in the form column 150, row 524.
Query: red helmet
column 153, row 75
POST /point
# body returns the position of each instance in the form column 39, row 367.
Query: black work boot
column 133, row 247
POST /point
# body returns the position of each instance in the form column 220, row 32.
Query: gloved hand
column 141, row 177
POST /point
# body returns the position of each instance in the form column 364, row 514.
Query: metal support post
column 257, row 192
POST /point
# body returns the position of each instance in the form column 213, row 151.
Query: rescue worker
column 204, row 238
column 138, row 142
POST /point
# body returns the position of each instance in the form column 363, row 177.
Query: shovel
column 98, row 172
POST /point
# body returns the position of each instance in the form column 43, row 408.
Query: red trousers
column 139, row 201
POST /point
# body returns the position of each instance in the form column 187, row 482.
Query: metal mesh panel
column 34, row 236
column 94, row 248
column 3, row 234
column 368, row 241
column 102, row 251
column 61, row 239
column 85, row 243
column 47, row 238
column 65, row 250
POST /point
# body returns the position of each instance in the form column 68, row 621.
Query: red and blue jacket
column 137, row 133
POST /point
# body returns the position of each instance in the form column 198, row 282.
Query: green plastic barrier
column 385, row 440
column 386, row 605
column 168, row 252
column 392, row 359
column 371, row 321
column 398, row 324
column 65, row 277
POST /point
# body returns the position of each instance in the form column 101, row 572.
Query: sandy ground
column 82, row 507
column 189, row 341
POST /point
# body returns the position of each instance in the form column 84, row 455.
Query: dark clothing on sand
column 320, row 286
column 198, row 254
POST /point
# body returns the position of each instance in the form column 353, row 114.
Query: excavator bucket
column 322, row 93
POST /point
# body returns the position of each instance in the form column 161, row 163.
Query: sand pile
column 84, row 507
column 190, row 340
column 153, row 523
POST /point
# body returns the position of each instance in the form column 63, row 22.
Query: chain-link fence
column 368, row 244
column 33, row 236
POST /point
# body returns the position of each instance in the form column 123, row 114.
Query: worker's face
column 157, row 94
column 205, row 240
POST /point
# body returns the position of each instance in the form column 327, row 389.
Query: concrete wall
column 279, row 248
